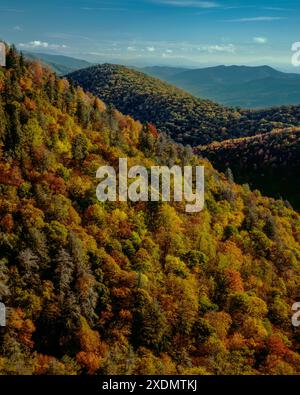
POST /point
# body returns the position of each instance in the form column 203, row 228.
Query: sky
column 190, row 33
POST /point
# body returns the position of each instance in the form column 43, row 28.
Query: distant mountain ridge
column 60, row 64
column 234, row 86
column 163, row 72
column 242, row 86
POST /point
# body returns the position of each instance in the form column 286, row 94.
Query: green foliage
column 80, row 147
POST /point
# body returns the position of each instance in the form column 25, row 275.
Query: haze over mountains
column 242, row 86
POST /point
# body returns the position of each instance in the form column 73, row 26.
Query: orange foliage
column 93, row 350
column 37, row 70
column 7, row 223
column 276, row 346
column 234, row 280
column 152, row 129
column 24, row 327
column 29, row 104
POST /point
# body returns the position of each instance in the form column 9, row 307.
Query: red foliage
column 7, row 223
column 276, row 346
column 152, row 129
column 56, row 184
column 10, row 176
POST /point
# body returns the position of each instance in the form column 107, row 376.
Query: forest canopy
column 131, row 288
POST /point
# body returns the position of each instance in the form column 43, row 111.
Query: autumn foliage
column 131, row 288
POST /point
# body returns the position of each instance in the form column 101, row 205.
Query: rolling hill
column 182, row 116
column 187, row 119
column 242, row 86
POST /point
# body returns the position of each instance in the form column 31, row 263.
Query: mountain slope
column 148, row 99
column 242, row 86
column 268, row 162
column 130, row 288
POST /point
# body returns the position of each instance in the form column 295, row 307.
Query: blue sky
column 149, row 32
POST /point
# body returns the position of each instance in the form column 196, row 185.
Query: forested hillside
column 186, row 119
column 269, row 162
column 135, row 288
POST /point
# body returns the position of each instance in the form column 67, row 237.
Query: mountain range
column 234, row 86
column 241, row 140
column 182, row 116
column 241, row 86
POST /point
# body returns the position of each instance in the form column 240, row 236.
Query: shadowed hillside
column 269, row 162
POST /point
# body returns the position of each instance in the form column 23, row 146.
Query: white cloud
column 168, row 53
column 131, row 49
column 229, row 48
column 41, row 44
column 260, row 40
column 17, row 28
column 102, row 9
column 257, row 19
column 189, row 3
column 150, row 49
column 2, row 9
column 276, row 9
column 34, row 44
